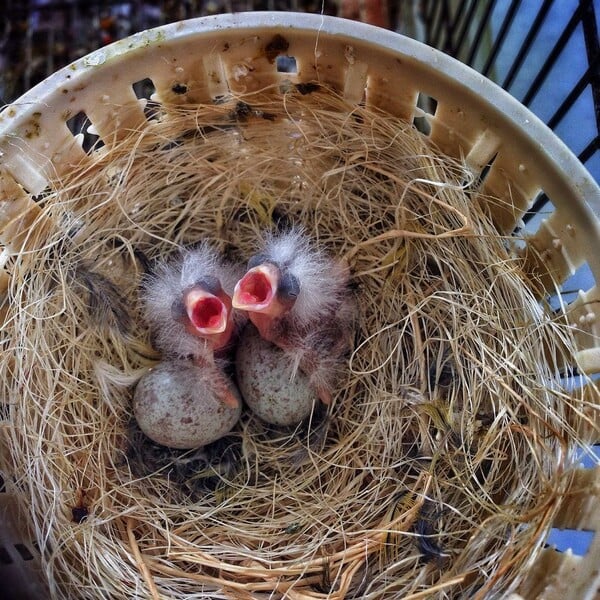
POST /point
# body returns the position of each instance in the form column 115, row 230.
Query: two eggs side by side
column 287, row 319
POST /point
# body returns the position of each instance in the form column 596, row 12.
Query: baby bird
column 298, row 299
column 187, row 304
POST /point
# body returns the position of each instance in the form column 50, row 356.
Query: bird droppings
column 33, row 127
column 239, row 71
column 179, row 89
column 95, row 59
column 350, row 54
column 307, row 88
column 267, row 116
column 278, row 45
column 242, row 111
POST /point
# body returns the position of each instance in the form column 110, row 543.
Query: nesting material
column 438, row 467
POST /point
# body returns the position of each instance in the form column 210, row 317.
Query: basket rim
column 569, row 176
column 505, row 108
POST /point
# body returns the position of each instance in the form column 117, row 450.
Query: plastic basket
column 203, row 59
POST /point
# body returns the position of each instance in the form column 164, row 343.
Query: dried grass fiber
column 440, row 465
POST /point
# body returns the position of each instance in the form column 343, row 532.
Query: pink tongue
column 256, row 289
column 207, row 313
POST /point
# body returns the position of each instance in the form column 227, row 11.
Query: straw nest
column 438, row 468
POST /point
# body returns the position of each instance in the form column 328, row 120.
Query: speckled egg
column 175, row 405
column 264, row 375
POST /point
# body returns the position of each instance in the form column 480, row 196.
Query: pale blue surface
column 577, row 130
column 577, row 541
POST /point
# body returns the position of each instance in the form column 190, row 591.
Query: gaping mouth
column 255, row 291
column 206, row 312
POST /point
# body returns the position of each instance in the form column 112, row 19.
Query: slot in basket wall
column 202, row 60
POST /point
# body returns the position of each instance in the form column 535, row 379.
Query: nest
column 438, row 468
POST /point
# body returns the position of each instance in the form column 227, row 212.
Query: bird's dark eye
column 289, row 287
column 209, row 283
column 178, row 311
column 257, row 259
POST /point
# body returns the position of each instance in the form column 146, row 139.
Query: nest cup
column 82, row 529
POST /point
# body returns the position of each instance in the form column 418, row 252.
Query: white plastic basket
column 202, row 59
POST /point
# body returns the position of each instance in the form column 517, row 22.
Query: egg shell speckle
column 264, row 375
column 175, row 406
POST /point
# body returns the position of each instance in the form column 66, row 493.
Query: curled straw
column 449, row 442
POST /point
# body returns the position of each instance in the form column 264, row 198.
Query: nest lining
column 439, row 467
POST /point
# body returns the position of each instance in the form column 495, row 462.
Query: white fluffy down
column 322, row 280
column 167, row 284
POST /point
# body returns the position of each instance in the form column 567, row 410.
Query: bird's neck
column 265, row 326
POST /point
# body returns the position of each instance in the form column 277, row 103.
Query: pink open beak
column 256, row 290
column 207, row 313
